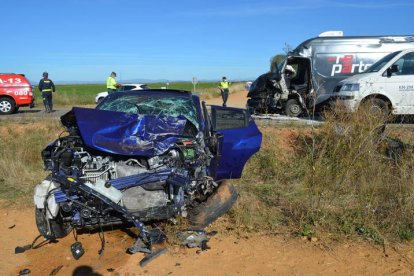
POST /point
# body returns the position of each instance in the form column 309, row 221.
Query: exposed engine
column 155, row 188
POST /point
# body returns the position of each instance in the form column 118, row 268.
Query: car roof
column 137, row 84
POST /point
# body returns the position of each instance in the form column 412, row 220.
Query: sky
column 85, row 40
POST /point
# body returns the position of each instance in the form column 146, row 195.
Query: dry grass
column 20, row 163
column 344, row 179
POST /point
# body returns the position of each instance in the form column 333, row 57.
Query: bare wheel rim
column 295, row 109
column 5, row 106
column 375, row 109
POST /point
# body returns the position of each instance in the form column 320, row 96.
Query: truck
column 318, row 65
column 15, row 91
column 386, row 87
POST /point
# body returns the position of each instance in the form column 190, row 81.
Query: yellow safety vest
column 224, row 85
column 110, row 83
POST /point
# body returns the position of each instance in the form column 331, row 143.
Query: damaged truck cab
column 143, row 156
column 318, row 65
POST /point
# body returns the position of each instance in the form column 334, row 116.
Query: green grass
column 84, row 94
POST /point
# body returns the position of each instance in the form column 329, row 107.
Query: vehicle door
column 240, row 139
column 400, row 84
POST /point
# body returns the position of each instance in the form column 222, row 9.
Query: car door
column 240, row 139
column 400, row 85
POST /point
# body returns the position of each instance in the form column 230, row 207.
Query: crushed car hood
column 125, row 133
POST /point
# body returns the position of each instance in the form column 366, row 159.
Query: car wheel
column 293, row 108
column 100, row 100
column 59, row 228
column 7, row 106
column 214, row 207
column 377, row 107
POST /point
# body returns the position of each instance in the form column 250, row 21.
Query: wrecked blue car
column 140, row 157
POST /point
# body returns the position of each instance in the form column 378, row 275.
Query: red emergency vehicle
column 15, row 91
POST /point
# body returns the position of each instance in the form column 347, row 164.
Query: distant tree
column 275, row 60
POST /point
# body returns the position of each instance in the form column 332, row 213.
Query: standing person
column 111, row 83
column 224, row 89
column 46, row 86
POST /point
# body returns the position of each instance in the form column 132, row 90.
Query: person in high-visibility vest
column 111, row 83
column 224, row 89
column 46, row 86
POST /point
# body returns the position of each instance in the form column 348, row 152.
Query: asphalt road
column 33, row 113
column 261, row 120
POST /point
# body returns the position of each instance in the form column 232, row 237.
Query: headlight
column 350, row 87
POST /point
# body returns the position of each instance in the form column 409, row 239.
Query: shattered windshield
column 158, row 105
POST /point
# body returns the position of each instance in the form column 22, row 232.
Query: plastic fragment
column 156, row 253
column 21, row 249
column 25, row 271
column 55, row 270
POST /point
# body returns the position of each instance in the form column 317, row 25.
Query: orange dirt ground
column 250, row 254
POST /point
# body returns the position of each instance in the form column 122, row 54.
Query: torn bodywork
column 139, row 157
column 287, row 90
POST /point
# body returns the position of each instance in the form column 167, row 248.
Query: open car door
column 240, row 140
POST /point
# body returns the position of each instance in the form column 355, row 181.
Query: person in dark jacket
column 46, row 87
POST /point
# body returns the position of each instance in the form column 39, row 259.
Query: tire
column 7, row 106
column 100, row 100
column 58, row 227
column 293, row 108
column 214, row 207
column 377, row 107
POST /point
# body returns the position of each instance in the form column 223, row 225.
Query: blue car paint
column 239, row 144
column 115, row 132
column 128, row 134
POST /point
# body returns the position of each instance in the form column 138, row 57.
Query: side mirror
column 393, row 69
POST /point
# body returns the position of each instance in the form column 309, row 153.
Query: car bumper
column 345, row 100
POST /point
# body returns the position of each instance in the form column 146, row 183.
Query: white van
column 387, row 86
column 319, row 64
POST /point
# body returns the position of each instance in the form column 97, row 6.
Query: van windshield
column 380, row 63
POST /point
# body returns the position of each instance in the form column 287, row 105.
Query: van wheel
column 214, row 207
column 377, row 107
column 293, row 108
column 7, row 106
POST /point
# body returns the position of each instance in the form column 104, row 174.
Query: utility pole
column 195, row 81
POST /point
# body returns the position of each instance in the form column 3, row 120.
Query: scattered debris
column 55, row 270
column 148, row 258
column 110, row 269
column 11, row 227
column 77, row 250
column 24, row 271
column 195, row 238
column 155, row 236
column 21, row 249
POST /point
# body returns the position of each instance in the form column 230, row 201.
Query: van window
column 406, row 64
column 380, row 63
